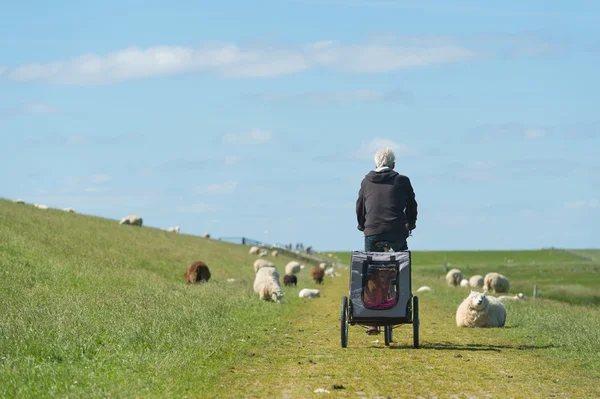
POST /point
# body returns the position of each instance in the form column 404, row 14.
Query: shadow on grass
column 471, row 347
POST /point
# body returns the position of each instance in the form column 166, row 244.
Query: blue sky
column 261, row 118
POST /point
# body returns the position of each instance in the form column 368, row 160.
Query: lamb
column 454, row 277
column 424, row 288
column 254, row 251
column 464, row 283
column 290, row 280
column 173, row 229
column 317, row 274
column 309, row 293
column 517, row 297
column 480, row 310
column 496, row 283
column 267, row 286
column 293, row 267
column 132, row 220
column 476, row 281
column 197, row 272
column 258, row 263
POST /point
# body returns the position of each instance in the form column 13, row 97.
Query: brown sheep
column 317, row 274
column 197, row 272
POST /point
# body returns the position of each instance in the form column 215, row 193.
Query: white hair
column 384, row 157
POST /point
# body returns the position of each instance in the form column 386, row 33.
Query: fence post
column 535, row 291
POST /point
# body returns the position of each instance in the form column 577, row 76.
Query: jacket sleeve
column 411, row 206
column 360, row 209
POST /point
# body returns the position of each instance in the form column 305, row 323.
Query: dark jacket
column 383, row 199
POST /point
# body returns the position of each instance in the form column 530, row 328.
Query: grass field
column 90, row 308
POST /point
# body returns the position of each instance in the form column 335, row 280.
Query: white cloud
column 368, row 149
column 231, row 160
column 200, row 208
column 593, row 203
column 341, row 97
column 28, row 108
column 226, row 188
column 234, row 61
column 254, row 136
column 532, row 134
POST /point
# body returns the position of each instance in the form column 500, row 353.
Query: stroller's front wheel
column 344, row 322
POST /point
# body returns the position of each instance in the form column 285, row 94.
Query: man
column 386, row 208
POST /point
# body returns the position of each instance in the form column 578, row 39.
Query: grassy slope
column 94, row 309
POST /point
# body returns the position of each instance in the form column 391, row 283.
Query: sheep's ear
column 484, row 292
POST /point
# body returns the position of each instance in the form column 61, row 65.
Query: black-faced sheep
column 317, row 274
column 496, row 283
column 197, row 272
column 290, row 280
column 480, row 310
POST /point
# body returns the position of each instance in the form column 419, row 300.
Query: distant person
column 386, row 208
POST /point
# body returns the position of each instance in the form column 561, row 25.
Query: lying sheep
column 424, row 288
column 173, row 229
column 290, row 280
column 476, row 281
column 454, row 277
column 18, row 201
column 254, row 251
column 517, row 297
column 293, row 267
column 258, row 263
column 197, row 272
column 263, row 253
column 309, row 293
column 480, row 310
column 132, row 220
column 317, row 274
column 464, row 283
column 267, row 286
column 496, row 283
column 40, row 206
column 68, row 210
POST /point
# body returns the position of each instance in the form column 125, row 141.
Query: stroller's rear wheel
column 344, row 322
column 387, row 335
column 415, row 321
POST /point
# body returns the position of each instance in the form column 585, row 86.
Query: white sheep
column 173, row 229
column 323, row 265
column 258, row 263
column 263, row 253
column 267, row 286
column 70, row 210
column 464, row 283
column 480, row 310
column 331, row 272
column 309, row 293
column 132, row 220
column 274, row 254
column 476, row 281
column 206, row 235
column 496, row 283
column 40, row 206
column 293, row 267
column 517, row 297
column 424, row 288
column 454, row 277
column 254, row 251
column 19, row 201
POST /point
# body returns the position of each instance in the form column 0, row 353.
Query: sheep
column 424, row 288
column 274, row 254
column 132, row 220
column 317, row 274
column 18, row 201
column 309, row 293
column 70, row 210
column 517, row 297
column 289, row 280
column 40, row 206
column 231, row 280
column 331, row 272
column 254, row 251
column 453, row 277
column 480, row 310
column 464, row 283
column 293, row 267
column 267, row 286
column 263, row 253
column 476, row 281
column 206, row 235
column 197, row 272
column 323, row 265
column 258, row 263
column 496, row 283
column 173, row 229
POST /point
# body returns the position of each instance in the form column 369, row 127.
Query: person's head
column 385, row 157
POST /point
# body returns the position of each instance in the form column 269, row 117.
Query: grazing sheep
column 40, row 206
column 258, row 263
column 331, row 272
column 496, row 283
column 289, row 280
column 68, row 210
column 19, row 201
column 454, row 277
column 293, row 267
column 197, row 272
column 309, row 293
column 254, row 251
column 424, row 288
column 132, row 220
column 480, row 310
column 317, row 274
column 206, row 235
column 263, row 253
column 173, row 229
column 476, row 281
column 323, row 265
column 267, row 286
column 464, row 283
column 274, row 254
column 517, row 297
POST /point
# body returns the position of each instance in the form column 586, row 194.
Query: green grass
column 90, row 309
